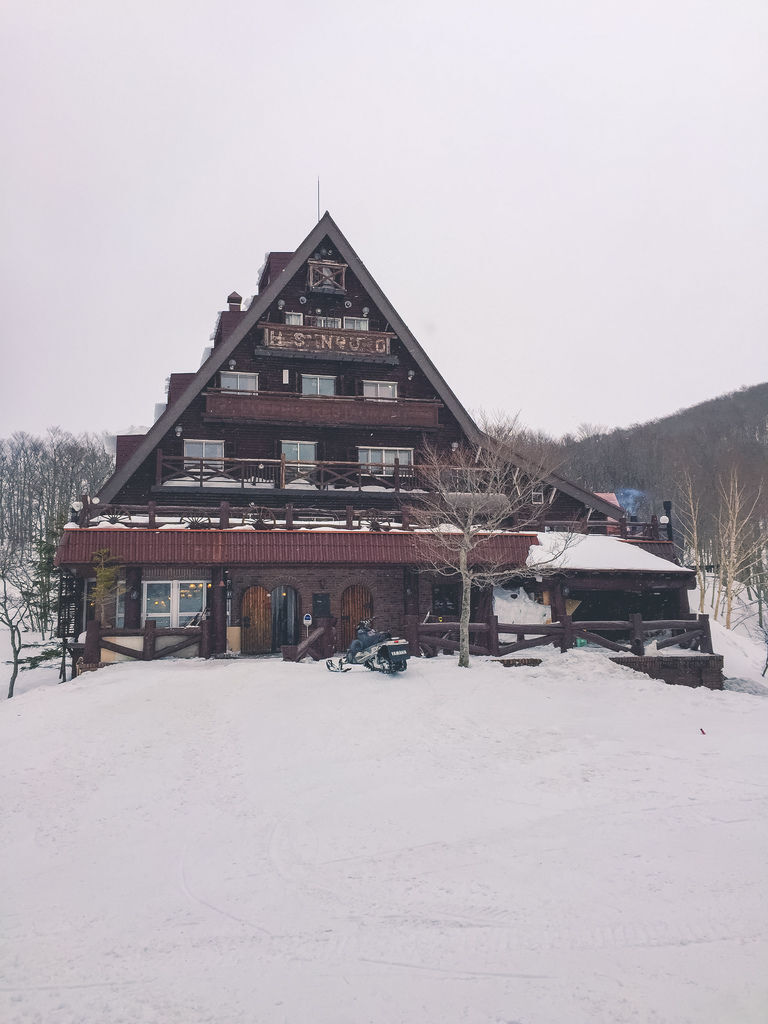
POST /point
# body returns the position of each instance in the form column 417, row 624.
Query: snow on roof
column 588, row 552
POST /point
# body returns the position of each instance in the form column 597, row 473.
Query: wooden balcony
column 279, row 474
column 336, row 411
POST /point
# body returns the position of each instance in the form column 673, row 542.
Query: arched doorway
column 285, row 616
column 356, row 604
column 256, row 622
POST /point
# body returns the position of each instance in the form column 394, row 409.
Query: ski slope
column 241, row 841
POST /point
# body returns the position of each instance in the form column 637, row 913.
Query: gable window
column 324, row 321
column 537, row 496
column 211, row 451
column 302, row 452
column 381, row 389
column 356, row 323
column 313, row 384
column 296, row 319
column 230, row 381
column 172, row 604
column 382, row 460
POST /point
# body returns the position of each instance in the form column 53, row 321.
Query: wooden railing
column 432, row 637
column 98, row 638
column 319, row 644
column 280, row 473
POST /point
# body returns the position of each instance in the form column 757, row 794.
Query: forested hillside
column 711, row 460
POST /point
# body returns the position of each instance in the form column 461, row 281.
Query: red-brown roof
column 289, row 547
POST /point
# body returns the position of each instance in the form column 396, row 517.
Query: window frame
column 380, row 398
column 294, row 323
column 299, row 463
column 383, row 467
column 208, row 462
column 313, row 320
column 173, row 614
column 537, row 491
column 238, row 374
column 358, row 320
column 317, row 377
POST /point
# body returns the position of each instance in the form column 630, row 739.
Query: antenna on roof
column 318, row 198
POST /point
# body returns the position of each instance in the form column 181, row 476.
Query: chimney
column 235, row 302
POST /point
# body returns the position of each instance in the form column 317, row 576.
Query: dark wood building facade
column 273, row 483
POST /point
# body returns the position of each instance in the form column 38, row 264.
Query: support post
column 92, row 652
column 152, row 515
column 205, row 638
column 150, row 639
column 218, row 612
column 350, row 517
column 289, row 517
column 159, row 467
column 493, row 635
column 224, row 515
column 411, row 630
column 133, row 597
column 282, row 472
column 566, row 641
column 706, row 639
column 636, row 644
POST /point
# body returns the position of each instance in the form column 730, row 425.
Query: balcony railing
column 331, row 410
column 252, row 474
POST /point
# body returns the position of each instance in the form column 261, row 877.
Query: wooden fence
column 100, row 638
column 484, row 637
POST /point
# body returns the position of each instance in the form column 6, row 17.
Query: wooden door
column 256, row 622
column 356, row 604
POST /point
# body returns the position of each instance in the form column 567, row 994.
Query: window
column 380, row 389
column 311, row 384
column 211, row 451
column 325, row 276
column 324, row 321
column 302, row 452
column 295, row 319
column 173, row 604
column 230, row 381
column 382, row 460
column 115, row 605
column 356, row 323
column 537, row 497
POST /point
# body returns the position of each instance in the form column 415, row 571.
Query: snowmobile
column 379, row 652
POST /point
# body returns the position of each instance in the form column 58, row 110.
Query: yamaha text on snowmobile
column 380, row 652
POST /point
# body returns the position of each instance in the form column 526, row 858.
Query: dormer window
column 356, row 323
column 230, row 381
column 325, row 276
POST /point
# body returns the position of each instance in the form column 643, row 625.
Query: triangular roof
column 326, row 227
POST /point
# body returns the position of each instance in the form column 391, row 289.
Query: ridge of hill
column 720, row 434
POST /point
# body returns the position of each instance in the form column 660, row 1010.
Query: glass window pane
column 193, row 449
column 191, row 597
column 291, row 451
column 297, row 319
column 308, row 385
column 308, row 451
column 229, row 381
column 326, row 385
column 157, row 601
column 214, row 449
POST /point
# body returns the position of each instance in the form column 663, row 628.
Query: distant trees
column 40, row 477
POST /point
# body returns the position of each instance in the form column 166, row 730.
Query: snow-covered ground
column 252, row 841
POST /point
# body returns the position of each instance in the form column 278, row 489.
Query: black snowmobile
column 379, row 652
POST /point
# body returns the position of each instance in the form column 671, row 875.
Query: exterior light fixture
column 232, row 364
column 177, row 431
column 663, row 520
column 454, row 446
column 366, row 311
column 281, row 303
column 411, row 374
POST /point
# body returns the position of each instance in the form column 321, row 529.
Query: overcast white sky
column 566, row 201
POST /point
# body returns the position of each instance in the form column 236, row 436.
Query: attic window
column 356, row 323
column 294, row 319
column 325, row 276
column 537, row 497
column 230, row 381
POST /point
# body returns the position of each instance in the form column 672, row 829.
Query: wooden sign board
column 309, row 339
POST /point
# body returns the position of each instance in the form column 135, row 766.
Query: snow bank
column 585, row 551
column 256, row 841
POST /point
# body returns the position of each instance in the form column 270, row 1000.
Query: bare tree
column 742, row 537
column 15, row 587
column 472, row 497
